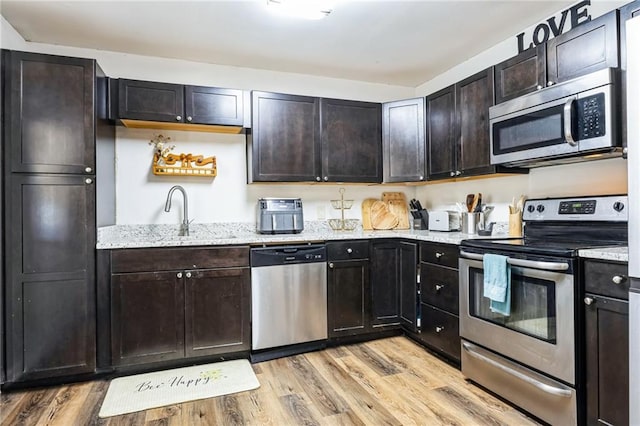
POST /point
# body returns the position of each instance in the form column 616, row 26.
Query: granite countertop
column 136, row 236
column 619, row 254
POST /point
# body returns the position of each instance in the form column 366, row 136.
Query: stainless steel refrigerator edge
column 633, row 167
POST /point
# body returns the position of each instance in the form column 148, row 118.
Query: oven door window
column 533, row 305
column 533, row 130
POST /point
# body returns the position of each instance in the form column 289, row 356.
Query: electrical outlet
column 321, row 213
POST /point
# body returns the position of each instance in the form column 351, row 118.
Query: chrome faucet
column 184, row 228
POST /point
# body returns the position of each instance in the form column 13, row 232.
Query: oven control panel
column 601, row 208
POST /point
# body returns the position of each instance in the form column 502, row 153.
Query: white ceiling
column 393, row 42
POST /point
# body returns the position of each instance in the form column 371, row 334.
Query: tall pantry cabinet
column 54, row 121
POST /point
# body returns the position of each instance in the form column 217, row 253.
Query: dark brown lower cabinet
column 50, row 285
column 439, row 293
column 607, row 360
column 173, row 314
column 393, row 283
column 217, row 310
column 348, row 298
column 147, row 317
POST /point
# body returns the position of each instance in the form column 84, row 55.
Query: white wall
column 140, row 195
column 590, row 178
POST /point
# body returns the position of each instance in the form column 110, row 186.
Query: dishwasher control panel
column 286, row 255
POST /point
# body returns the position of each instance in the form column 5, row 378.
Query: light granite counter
column 136, row 236
column 619, row 254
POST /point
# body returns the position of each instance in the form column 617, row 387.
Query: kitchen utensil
column 474, row 203
column 478, row 203
column 469, row 202
column 397, row 203
column 366, row 213
column 381, row 217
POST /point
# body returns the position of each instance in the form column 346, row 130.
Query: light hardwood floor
column 390, row 381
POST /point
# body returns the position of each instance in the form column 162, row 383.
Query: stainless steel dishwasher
column 288, row 295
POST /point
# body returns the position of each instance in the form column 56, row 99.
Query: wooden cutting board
column 397, row 203
column 366, row 213
column 381, row 217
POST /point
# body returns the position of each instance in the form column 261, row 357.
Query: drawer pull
column 439, row 329
column 349, row 250
column 589, row 300
column 439, row 287
column 439, row 255
column 618, row 279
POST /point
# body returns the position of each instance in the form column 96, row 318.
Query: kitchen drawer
column 347, row 250
column 169, row 259
column 599, row 278
column 439, row 287
column 439, row 254
column 440, row 331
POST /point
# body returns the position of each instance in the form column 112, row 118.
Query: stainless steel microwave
column 572, row 121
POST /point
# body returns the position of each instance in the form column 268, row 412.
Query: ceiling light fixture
column 306, row 9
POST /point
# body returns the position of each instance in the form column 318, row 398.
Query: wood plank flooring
column 390, row 381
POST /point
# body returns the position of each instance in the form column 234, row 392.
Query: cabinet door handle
column 458, row 172
column 88, row 181
column 439, row 255
column 421, row 177
column 550, row 83
column 589, row 300
column 452, row 174
column 178, row 117
column 318, row 178
column 618, row 279
column 179, row 275
column 439, row 329
column 539, row 86
column 88, row 169
column 326, row 178
column 331, row 265
column 188, row 275
column 439, row 287
column 189, row 118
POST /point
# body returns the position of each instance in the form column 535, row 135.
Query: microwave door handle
column 568, row 121
column 549, row 266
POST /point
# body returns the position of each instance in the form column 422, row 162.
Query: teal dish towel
column 497, row 283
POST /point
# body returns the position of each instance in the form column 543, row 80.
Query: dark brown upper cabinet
column 589, row 47
column 284, row 144
column 351, row 141
column 49, row 124
column 306, row 139
column 175, row 103
column 404, row 141
column 522, row 74
column 458, row 143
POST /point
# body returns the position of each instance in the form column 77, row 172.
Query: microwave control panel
column 591, row 123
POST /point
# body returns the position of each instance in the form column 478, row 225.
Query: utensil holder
column 470, row 222
column 515, row 225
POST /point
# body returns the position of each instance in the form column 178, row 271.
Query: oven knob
column 589, row 300
column 618, row 206
column 540, row 208
column 531, row 208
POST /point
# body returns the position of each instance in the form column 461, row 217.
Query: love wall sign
column 554, row 26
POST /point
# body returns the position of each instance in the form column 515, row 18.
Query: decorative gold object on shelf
column 342, row 224
column 190, row 165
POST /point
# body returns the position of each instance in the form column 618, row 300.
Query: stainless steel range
column 528, row 353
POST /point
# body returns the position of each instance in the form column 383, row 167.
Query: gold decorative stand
column 342, row 224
